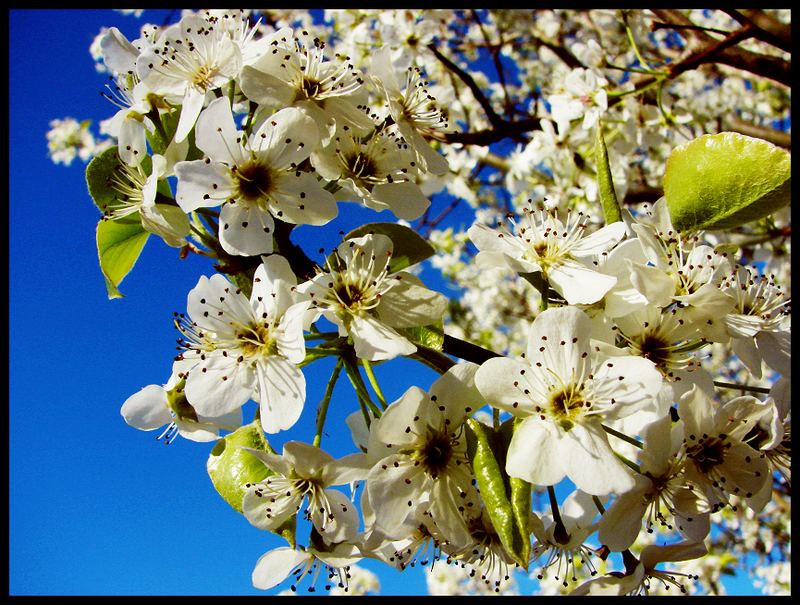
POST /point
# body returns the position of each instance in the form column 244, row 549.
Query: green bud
column 231, row 468
column 507, row 499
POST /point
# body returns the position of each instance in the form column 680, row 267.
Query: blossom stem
column 622, row 436
column 598, row 504
column 374, row 382
column 320, row 335
column 560, row 533
column 433, row 359
column 741, row 387
column 322, row 411
column 358, row 384
column 632, row 465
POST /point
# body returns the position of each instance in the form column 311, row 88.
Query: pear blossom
column 758, row 322
column 238, row 349
column 189, row 60
column 255, row 178
column 378, row 172
column 155, row 406
column 661, row 496
column 359, row 292
column 680, row 269
column 295, row 73
column 304, row 473
column 275, row 566
column 639, row 579
column 135, row 192
column 564, row 540
column 583, row 96
column 413, row 109
column 564, row 390
column 718, row 461
column 561, row 252
column 418, row 452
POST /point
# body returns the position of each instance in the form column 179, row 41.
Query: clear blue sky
column 97, row 507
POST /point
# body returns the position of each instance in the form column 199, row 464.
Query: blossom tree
column 611, row 330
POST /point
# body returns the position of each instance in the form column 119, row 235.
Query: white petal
column 394, row 487
column 298, row 198
column 193, row 102
column 282, row 393
column 286, row 138
column 409, row 303
column 335, row 516
column 147, row 409
column 559, row 339
column 533, row 453
column 591, row 463
column 405, row 200
column 223, row 387
column 579, row 285
column 202, row 185
column 503, row 383
column 275, row 566
column 600, row 241
column 245, row 229
column 375, row 341
column 216, row 134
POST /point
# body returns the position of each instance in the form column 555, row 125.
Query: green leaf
column 231, row 468
column 98, row 174
column 605, row 183
column 430, row 336
column 725, row 180
column 507, row 499
column 119, row 244
column 409, row 247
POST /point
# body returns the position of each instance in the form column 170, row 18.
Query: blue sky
column 97, row 507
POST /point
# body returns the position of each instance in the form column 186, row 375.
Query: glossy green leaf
column 231, row 467
column 605, row 182
column 505, row 500
column 725, row 180
column 119, row 244
column 98, row 174
column 409, row 247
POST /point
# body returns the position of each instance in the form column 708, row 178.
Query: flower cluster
column 588, row 336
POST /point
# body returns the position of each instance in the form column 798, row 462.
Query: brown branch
column 766, row 66
column 494, row 119
column 503, row 130
column 768, row 30
column 776, row 137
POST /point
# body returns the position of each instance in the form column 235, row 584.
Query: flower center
column 655, row 349
column 253, row 180
column 202, row 78
column 708, row 453
column 436, row 453
column 566, row 405
column 258, row 341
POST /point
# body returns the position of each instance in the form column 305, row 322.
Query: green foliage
column 725, row 180
column 119, row 244
column 98, row 173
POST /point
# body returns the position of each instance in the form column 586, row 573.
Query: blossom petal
column 218, row 385
column 147, row 409
column 299, row 199
column 579, row 284
column 202, row 184
column 274, row 567
column 282, row 393
column 409, row 303
column 375, row 341
column 245, row 229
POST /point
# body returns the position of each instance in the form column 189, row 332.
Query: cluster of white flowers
column 68, row 139
column 608, row 348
